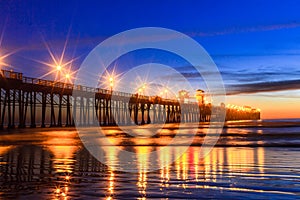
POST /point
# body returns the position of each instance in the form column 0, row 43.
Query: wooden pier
column 33, row 102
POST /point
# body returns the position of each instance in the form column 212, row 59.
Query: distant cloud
column 263, row 76
column 279, row 95
column 239, row 76
column 270, row 27
column 246, row 81
column 263, row 87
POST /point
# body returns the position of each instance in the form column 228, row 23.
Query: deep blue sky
column 252, row 42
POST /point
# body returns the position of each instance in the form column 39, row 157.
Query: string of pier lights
column 141, row 90
column 242, row 108
column 111, row 79
column 67, row 76
column 163, row 93
column 58, row 67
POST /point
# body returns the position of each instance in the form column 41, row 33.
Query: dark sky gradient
column 254, row 43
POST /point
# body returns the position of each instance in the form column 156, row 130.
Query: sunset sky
column 255, row 44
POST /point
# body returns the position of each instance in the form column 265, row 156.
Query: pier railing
column 19, row 76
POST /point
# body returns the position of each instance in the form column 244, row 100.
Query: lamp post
column 68, row 78
column 58, row 68
column 111, row 84
column 141, row 90
column 111, row 112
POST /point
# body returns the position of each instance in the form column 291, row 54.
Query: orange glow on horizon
column 272, row 107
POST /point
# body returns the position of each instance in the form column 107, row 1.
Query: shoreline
column 201, row 125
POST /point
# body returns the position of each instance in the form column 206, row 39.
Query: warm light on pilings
column 67, row 178
column 57, row 190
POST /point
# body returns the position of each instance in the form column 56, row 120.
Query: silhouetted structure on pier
column 31, row 101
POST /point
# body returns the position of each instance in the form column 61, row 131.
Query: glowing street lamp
column 111, row 83
column 166, row 92
column 142, row 89
column 58, row 64
column 58, row 69
column 67, row 77
column 2, row 60
column 183, row 94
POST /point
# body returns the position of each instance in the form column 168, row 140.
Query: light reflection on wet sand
column 54, row 165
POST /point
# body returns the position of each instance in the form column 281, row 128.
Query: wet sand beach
column 256, row 160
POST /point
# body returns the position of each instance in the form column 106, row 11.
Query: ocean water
column 252, row 159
